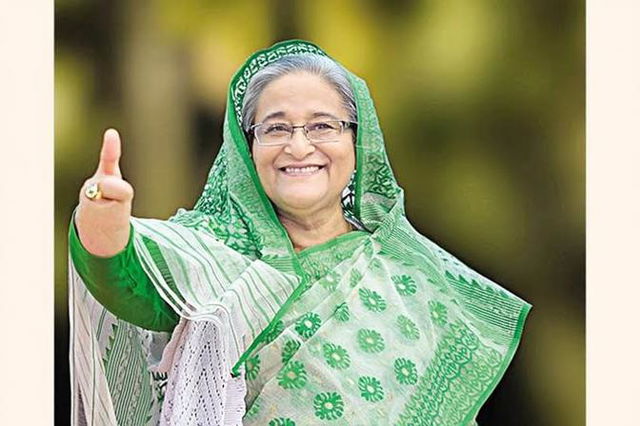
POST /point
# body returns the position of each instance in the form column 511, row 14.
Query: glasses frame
column 344, row 124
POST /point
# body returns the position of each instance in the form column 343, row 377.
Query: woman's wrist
column 106, row 248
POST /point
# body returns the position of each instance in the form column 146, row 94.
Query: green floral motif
column 336, row 356
column 308, row 324
column 289, row 349
column 274, row 332
column 405, row 370
column 405, row 285
column 282, row 421
column 493, row 358
column 236, row 230
column 380, row 180
column 462, row 334
column 370, row 388
column 252, row 367
column 341, row 313
column 355, row 278
column 330, row 282
column 214, row 200
column 372, row 300
column 328, row 405
column 370, row 341
column 237, row 234
column 292, row 375
column 438, row 313
column 408, row 328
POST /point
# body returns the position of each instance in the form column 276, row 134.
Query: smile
column 301, row 171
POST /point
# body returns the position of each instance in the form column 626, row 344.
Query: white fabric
column 190, row 384
column 200, row 389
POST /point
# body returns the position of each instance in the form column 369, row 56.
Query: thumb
column 109, row 164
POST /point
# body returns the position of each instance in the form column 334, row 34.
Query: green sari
column 377, row 326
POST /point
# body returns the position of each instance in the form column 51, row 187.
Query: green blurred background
column 482, row 104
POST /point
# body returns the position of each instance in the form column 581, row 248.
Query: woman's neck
column 312, row 229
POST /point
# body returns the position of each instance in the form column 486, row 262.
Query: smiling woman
column 296, row 291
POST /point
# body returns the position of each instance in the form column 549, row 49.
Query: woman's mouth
column 301, row 171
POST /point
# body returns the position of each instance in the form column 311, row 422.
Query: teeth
column 301, row 170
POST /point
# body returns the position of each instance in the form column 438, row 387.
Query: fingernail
column 111, row 132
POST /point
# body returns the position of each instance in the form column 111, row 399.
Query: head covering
column 380, row 326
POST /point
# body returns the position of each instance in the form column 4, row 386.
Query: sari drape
column 378, row 326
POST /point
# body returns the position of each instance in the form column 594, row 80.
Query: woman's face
column 299, row 98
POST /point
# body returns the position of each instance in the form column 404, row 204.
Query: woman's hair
column 318, row 65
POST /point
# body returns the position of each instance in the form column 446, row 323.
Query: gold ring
column 93, row 192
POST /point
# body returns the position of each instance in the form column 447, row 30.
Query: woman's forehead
column 309, row 114
column 299, row 95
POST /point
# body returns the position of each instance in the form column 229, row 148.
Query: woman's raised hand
column 103, row 222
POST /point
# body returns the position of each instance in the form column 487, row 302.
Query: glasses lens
column 324, row 131
column 273, row 133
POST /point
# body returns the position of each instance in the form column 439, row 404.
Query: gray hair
column 318, row 65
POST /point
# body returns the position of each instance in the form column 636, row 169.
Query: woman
column 295, row 289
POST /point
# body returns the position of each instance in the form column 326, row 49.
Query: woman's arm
column 101, row 246
column 120, row 284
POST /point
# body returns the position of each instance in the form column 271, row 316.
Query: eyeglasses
column 274, row 134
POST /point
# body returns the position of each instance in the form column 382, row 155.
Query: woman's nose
column 299, row 146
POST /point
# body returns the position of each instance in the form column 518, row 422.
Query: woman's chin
column 301, row 201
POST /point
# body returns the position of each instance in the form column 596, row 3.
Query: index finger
column 110, row 154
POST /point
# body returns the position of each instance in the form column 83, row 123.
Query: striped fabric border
column 201, row 278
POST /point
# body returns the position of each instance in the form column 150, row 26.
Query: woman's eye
column 276, row 128
column 320, row 126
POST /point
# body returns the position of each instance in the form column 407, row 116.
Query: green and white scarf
column 372, row 328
